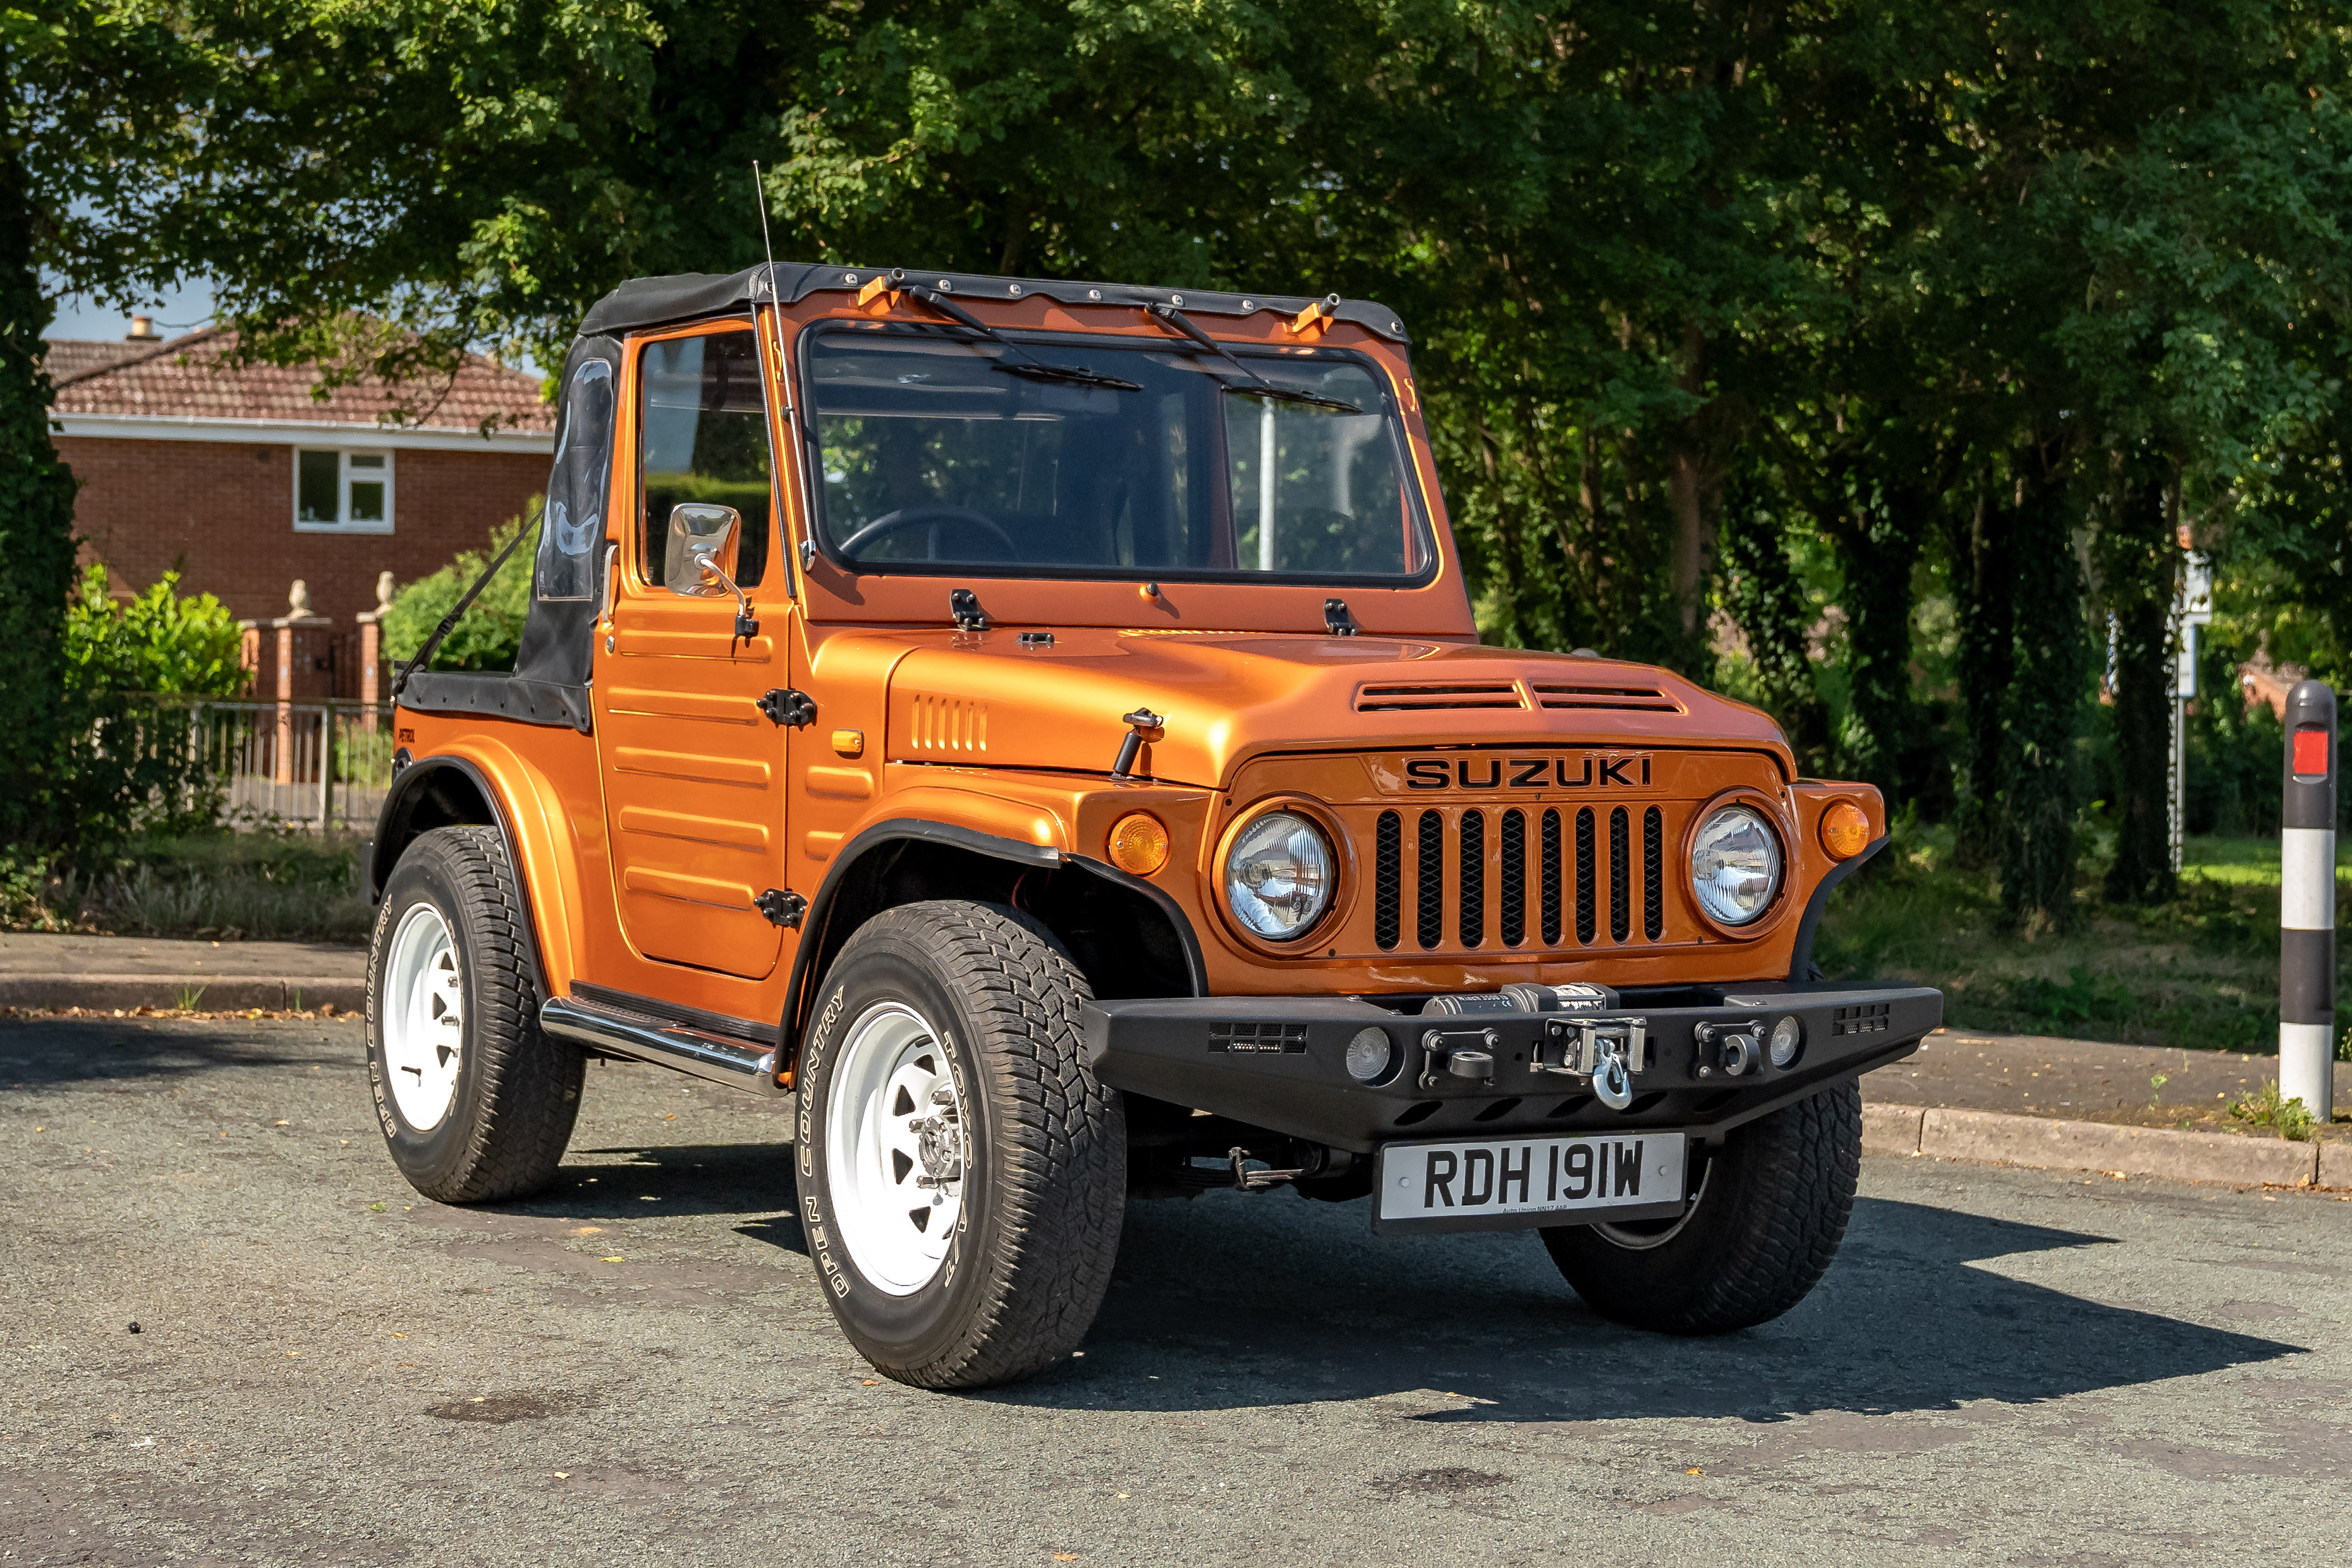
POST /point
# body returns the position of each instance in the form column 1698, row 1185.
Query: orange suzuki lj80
column 1039, row 729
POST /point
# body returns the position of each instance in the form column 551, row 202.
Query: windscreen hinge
column 789, row 707
column 1336, row 619
column 965, row 605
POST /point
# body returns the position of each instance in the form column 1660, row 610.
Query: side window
column 702, row 435
column 576, row 489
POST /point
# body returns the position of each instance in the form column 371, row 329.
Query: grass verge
column 265, row 884
column 2200, row 973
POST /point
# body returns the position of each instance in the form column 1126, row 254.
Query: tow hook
column 1607, row 1051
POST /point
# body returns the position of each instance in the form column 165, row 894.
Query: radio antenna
column 760, row 195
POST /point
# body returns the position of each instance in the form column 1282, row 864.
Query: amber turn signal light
column 1138, row 843
column 1845, row 831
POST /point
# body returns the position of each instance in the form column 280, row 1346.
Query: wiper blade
column 1273, row 393
column 1038, row 371
column 1261, row 387
column 1029, row 365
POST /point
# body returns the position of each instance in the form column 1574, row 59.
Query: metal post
column 327, row 766
column 2307, row 903
column 1266, row 461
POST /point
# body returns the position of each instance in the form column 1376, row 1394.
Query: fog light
column 1370, row 1055
column 1138, row 843
column 1788, row 1035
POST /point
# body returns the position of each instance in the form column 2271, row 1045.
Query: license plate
column 1500, row 1183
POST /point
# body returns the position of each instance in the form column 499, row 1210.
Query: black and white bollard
column 2307, row 903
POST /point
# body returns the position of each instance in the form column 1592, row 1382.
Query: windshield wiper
column 1036, row 369
column 1264, row 388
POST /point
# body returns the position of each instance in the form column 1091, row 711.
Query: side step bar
column 740, row 1065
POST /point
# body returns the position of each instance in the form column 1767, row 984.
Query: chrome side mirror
column 699, row 559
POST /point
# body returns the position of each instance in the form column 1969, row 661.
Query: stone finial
column 298, row 598
column 383, row 590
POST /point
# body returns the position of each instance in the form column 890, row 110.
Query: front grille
column 1429, row 897
column 1491, row 885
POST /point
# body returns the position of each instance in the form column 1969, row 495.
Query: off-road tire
column 1772, row 1211
column 1045, row 1180
column 518, row 1090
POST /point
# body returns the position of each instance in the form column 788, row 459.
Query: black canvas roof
column 655, row 301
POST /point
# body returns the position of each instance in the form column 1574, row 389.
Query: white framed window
column 342, row 490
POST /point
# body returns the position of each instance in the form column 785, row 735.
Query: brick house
column 247, row 482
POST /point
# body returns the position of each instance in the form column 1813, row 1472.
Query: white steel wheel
column 424, row 1016
column 896, row 1147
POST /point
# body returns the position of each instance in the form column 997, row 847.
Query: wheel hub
column 422, row 1014
column 895, row 1148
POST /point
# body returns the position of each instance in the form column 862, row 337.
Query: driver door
column 693, row 768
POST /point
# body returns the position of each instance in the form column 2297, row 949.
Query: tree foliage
column 1737, row 328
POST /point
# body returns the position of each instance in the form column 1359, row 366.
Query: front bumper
column 1279, row 1062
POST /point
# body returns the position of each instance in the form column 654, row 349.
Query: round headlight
column 1279, row 875
column 1369, row 1055
column 1735, row 864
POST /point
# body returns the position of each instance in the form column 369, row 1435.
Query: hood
column 988, row 699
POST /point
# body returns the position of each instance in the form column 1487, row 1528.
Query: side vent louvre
column 1513, row 921
column 1620, row 875
column 1653, row 878
column 1409, row 697
column 1429, row 872
column 1473, row 878
column 1388, row 878
column 1631, row 699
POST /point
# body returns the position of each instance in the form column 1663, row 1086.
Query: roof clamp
column 1317, row 318
column 1337, row 622
column 1142, row 724
column 964, row 604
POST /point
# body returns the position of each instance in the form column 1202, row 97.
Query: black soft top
column 657, row 301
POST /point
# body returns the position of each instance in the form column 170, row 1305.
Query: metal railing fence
column 315, row 763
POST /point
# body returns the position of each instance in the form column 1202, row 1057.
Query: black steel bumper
column 1280, row 1063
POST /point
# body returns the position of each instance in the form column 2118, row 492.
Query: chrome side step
column 740, row 1065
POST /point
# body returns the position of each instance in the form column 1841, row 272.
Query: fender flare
column 1040, row 857
column 399, row 801
column 1801, row 955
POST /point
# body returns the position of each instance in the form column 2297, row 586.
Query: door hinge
column 783, row 907
column 789, row 707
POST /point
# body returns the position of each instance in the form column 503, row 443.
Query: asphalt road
column 2004, row 1366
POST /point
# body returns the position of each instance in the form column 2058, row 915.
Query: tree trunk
column 1988, row 659
column 1878, row 540
column 2138, row 567
column 37, row 544
column 1687, row 497
column 2043, row 711
column 1762, row 593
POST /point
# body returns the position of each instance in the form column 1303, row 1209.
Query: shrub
column 159, row 642
column 488, row 634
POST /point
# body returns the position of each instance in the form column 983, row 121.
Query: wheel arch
column 1084, row 904
column 448, row 792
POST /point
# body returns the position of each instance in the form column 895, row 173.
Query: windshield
column 938, row 451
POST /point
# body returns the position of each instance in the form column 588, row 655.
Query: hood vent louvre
column 1633, row 699
column 1418, row 697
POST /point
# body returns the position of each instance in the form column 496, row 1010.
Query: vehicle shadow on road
column 54, row 1052
column 1214, row 1307
column 671, row 1179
